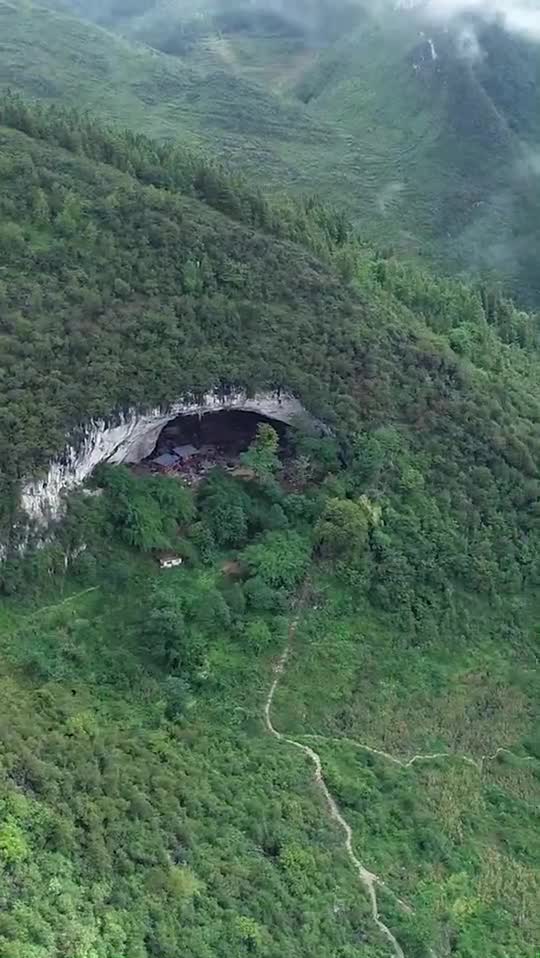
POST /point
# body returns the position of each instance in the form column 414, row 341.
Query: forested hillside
column 145, row 808
column 425, row 145
column 211, row 245
column 448, row 160
column 60, row 59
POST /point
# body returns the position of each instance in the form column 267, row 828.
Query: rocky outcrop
column 131, row 439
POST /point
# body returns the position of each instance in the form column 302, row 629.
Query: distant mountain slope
column 428, row 149
column 434, row 128
column 442, row 138
column 59, row 58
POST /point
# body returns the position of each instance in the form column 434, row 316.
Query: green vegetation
column 430, row 152
column 59, row 59
column 446, row 157
column 144, row 810
column 186, row 309
column 440, row 832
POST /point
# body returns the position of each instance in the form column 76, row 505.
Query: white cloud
column 519, row 16
column 468, row 45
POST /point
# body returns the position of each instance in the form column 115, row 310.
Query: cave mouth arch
column 195, row 443
column 131, row 436
column 229, row 429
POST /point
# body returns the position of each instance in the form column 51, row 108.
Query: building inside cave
column 191, row 445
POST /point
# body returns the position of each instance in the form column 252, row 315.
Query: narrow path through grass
column 369, row 880
column 476, row 763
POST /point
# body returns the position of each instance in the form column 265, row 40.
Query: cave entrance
column 191, row 446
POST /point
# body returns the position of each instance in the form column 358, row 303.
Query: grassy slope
column 145, row 833
column 59, row 58
column 425, row 154
column 445, row 143
column 428, row 152
column 352, row 682
column 442, row 160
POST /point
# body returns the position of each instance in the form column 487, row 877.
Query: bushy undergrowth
column 143, row 809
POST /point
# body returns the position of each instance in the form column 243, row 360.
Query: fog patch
column 468, row 44
column 388, row 196
column 530, row 163
column 521, row 17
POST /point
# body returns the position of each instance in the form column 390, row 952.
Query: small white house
column 170, row 562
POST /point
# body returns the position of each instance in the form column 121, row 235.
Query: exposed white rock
column 131, row 440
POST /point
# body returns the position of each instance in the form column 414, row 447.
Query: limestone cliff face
column 130, row 440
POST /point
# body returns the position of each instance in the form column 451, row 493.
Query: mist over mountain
column 321, row 21
column 318, row 15
column 522, row 17
column 420, row 121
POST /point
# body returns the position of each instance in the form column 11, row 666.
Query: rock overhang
column 132, row 437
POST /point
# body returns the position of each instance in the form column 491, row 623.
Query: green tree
column 262, row 455
column 177, row 696
column 13, row 843
column 257, row 634
column 69, row 219
column 165, row 625
column 261, row 597
column 174, row 499
column 11, row 238
column 280, row 559
column 145, row 511
column 40, row 207
column 248, row 931
column 225, row 506
column 343, row 529
column 192, row 278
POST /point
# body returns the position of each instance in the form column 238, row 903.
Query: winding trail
column 367, row 878
column 476, row 763
column 50, row 608
column 58, row 605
